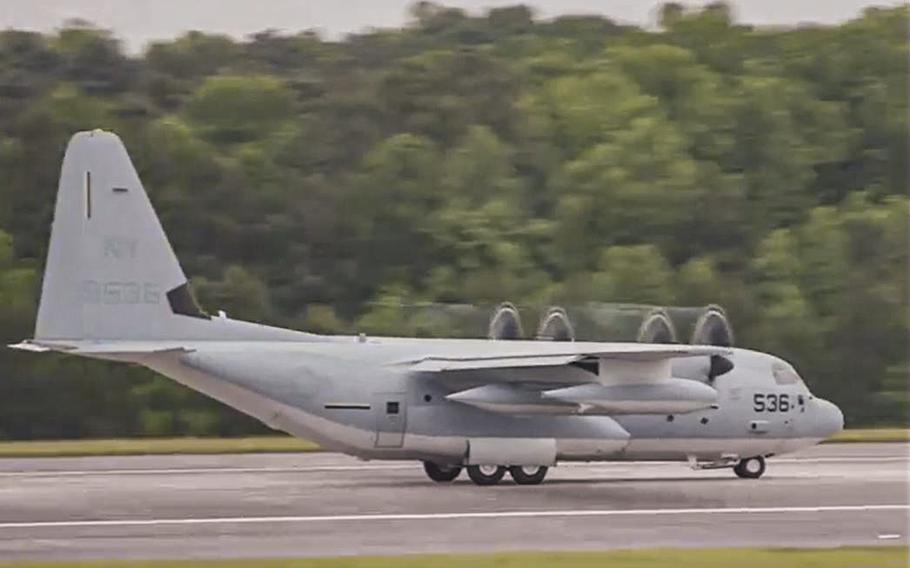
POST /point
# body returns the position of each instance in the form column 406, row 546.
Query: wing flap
column 442, row 364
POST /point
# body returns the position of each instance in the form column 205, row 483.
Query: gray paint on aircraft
column 396, row 398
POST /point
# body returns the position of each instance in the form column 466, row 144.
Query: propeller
column 555, row 326
column 713, row 328
column 657, row 328
column 505, row 323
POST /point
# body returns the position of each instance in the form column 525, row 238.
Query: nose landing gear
column 750, row 468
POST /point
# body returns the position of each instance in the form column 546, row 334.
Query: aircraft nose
column 830, row 419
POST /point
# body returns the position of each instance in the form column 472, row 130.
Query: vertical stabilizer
column 111, row 273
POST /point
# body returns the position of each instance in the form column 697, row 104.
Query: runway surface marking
column 378, row 467
column 156, row 471
column 455, row 516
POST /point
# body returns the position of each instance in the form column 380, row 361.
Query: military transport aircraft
column 113, row 289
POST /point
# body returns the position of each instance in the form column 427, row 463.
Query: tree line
column 333, row 185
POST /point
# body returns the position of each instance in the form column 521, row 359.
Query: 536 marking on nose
column 771, row 402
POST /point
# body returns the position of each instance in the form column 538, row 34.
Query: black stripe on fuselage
column 346, row 406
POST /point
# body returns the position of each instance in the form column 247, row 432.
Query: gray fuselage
column 348, row 394
column 114, row 289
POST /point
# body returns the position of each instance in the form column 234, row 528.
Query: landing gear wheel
column 441, row 473
column 528, row 475
column 750, row 468
column 486, row 474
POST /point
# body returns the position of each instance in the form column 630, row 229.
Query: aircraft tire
column 521, row 476
column 750, row 468
column 441, row 473
column 486, row 474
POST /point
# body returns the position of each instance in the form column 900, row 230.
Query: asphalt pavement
column 289, row 505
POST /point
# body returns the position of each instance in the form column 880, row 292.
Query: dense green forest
column 469, row 159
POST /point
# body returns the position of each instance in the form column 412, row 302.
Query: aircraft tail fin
column 111, row 272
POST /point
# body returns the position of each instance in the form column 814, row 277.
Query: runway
column 287, row 505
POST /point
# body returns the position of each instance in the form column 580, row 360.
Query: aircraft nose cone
column 830, row 418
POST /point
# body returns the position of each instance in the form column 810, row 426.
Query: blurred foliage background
column 465, row 159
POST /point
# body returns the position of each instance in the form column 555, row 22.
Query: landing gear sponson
column 486, row 474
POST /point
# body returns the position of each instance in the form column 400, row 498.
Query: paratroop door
column 391, row 418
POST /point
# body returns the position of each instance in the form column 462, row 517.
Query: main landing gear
column 441, row 473
column 528, row 475
column 486, row 474
column 750, row 468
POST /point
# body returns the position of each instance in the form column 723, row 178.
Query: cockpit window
column 785, row 374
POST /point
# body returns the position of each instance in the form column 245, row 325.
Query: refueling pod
column 512, row 399
column 673, row 396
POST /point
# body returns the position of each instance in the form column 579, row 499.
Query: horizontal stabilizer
column 29, row 346
column 121, row 349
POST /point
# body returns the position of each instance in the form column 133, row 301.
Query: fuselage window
column 391, row 407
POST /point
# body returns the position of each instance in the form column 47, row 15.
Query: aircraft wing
column 622, row 378
column 629, row 360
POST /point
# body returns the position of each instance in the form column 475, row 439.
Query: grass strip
column 877, row 557
column 154, row 446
